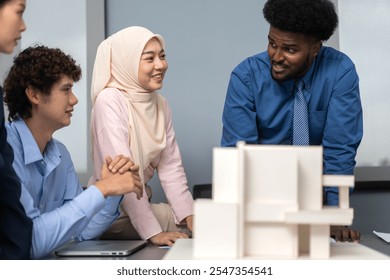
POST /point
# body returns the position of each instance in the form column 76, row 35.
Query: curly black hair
column 314, row 18
column 37, row 67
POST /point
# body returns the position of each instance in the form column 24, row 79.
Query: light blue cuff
column 92, row 197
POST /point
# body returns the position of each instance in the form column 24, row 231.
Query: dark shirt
column 259, row 109
column 15, row 226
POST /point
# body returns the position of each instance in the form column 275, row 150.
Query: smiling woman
column 131, row 118
column 152, row 66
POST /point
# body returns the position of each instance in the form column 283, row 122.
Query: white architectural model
column 267, row 203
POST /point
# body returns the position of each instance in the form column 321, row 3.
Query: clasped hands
column 119, row 176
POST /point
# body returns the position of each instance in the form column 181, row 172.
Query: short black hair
column 38, row 67
column 3, row 2
column 314, row 18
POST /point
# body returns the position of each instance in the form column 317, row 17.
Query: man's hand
column 112, row 184
column 344, row 234
column 166, row 238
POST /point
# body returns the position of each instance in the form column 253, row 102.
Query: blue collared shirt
column 52, row 195
column 259, row 109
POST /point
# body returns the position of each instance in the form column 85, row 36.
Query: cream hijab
column 116, row 65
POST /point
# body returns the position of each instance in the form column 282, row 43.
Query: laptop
column 99, row 248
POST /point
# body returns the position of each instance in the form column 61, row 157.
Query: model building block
column 267, row 203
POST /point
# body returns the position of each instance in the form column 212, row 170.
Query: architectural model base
column 267, row 204
column 183, row 250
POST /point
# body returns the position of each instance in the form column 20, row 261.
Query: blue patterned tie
column 301, row 118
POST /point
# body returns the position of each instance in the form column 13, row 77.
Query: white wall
column 365, row 37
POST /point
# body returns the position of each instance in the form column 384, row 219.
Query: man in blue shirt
column 40, row 100
column 259, row 104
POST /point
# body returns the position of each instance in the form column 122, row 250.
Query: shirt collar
column 30, row 146
column 308, row 77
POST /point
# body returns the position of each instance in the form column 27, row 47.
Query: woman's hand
column 189, row 222
column 166, row 238
column 121, row 164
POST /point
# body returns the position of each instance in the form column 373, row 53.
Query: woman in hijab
column 130, row 117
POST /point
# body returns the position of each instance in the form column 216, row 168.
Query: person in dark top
column 15, row 226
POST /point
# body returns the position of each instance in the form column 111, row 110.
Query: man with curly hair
column 259, row 105
column 40, row 99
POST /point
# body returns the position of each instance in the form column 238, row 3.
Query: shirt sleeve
column 239, row 113
column 54, row 228
column 102, row 220
column 172, row 176
column 111, row 137
column 343, row 129
column 61, row 210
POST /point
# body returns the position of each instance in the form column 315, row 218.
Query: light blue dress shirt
column 52, row 195
column 259, row 109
